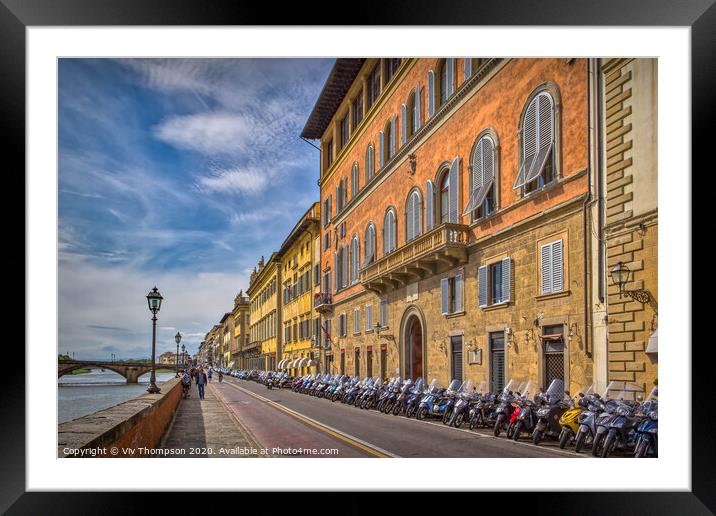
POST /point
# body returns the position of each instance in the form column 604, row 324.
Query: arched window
column 387, row 141
column 483, row 187
column 355, row 257
column 354, row 180
column 537, row 167
column 446, row 81
column 389, row 231
column 369, row 244
column 413, row 216
column 449, row 192
column 369, row 163
column 411, row 114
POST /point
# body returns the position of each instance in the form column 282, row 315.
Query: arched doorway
column 413, row 352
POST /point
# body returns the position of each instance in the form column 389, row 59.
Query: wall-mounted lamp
column 621, row 276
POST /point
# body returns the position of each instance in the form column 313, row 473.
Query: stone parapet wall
column 137, row 423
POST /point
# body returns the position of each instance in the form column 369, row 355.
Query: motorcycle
column 482, row 409
column 569, row 420
column 504, row 409
column 527, row 416
column 370, row 398
column 647, row 431
column 460, row 412
column 409, row 399
column 619, row 419
column 437, row 400
column 449, row 400
column 552, row 406
column 388, row 396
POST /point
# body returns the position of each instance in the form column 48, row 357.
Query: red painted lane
column 273, row 428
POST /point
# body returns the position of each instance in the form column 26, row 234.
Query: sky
column 179, row 173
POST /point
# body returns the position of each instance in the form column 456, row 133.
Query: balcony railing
column 322, row 301
column 442, row 247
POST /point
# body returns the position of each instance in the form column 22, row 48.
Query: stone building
column 454, row 196
column 629, row 143
column 265, row 311
column 226, row 336
column 240, row 336
column 300, row 273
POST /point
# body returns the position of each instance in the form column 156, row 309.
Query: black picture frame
column 699, row 15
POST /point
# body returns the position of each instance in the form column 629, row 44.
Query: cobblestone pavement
column 206, row 428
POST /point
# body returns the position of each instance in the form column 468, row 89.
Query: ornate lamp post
column 177, row 338
column 620, row 277
column 154, row 300
column 183, row 355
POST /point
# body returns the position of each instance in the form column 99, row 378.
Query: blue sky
column 179, row 173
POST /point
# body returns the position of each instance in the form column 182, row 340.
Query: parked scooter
column 619, row 398
column 504, row 409
column 409, row 399
column 622, row 427
column 569, row 420
column 647, row 442
column 389, row 395
column 552, row 404
column 527, row 416
column 466, row 394
column 370, row 398
column 482, row 409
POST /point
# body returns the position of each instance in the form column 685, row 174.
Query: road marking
column 350, row 439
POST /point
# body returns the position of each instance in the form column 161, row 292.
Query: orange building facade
column 455, row 194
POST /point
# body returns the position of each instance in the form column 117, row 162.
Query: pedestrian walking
column 221, row 376
column 211, row 372
column 201, row 381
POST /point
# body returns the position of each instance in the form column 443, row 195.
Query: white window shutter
column 545, row 126
column 450, row 76
column 454, row 192
column 429, row 198
column 444, row 293
column 368, row 317
column 416, row 117
column 417, row 217
column 468, row 68
column 393, row 227
column 345, row 266
column 506, row 279
column 458, row 293
column 356, row 320
column 392, row 136
column 546, row 251
column 386, row 233
column 409, row 219
column 354, row 180
column 482, row 286
column 404, row 124
column 557, row 267
column 335, row 269
column 431, row 93
column 381, row 143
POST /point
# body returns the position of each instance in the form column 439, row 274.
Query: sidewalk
column 205, row 428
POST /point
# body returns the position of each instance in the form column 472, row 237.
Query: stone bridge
column 130, row 371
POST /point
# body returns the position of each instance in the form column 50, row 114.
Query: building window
column 326, row 211
column 356, row 362
column 368, row 317
column 317, row 274
column 341, row 268
column 387, row 142
column 344, row 133
column 356, row 320
column 358, row 109
column 369, row 163
column 342, row 325
column 327, row 240
column 552, row 267
column 329, row 153
column 373, row 86
column 412, row 120
column 413, row 216
column 449, row 192
column 482, row 200
column 354, row 180
column 389, row 231
column 391, row 66
column 355, row 259
column 538, row 141
column 494, row 283
column 445, row 198
column 451, row 292
column 383, row 313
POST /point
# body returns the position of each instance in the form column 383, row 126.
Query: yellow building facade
column 240, row 334
column 265, row 310
column 299, row 321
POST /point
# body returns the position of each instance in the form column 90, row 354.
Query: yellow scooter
column 569, row 421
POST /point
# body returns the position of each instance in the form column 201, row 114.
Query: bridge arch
column 130, row 372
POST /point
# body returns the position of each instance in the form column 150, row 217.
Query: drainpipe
column 585, row 204
column 600, row 193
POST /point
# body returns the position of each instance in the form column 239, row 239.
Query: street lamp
column 154, row 300
column 183, row 355
column 620, row 277
column 177, row 338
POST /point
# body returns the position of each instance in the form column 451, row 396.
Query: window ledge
column 454, row 314
column 496, row 306
column 555, row 295
column 356, row 333
column 369, row 331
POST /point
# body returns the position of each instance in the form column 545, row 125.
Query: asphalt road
column 283, row 418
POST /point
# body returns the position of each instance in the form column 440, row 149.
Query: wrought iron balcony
column 441, row 248
column 322, row 301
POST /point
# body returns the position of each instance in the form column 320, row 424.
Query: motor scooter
column 620, row 416
column 569, row 420
column 549, row 411
column 504, row 408
column 527, row 416
column 647, row 442
column 466, row 394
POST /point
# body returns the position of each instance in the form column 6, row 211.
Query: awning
column 304, row 362
column 294, row 364
column 281, row 364
column 653, row 345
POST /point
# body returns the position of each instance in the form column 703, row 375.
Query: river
column 82, row 394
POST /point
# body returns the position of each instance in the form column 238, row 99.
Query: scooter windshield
column 378, row 383
column 555, row 391
column 653, row 395
column 623, row 391
column 466, row 386
column 406, row 386
column 482, row 388
column 454, row 386
column 528, row 389
column 433, row 385
column 419, row 383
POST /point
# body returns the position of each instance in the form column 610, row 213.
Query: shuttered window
column 381, row 148
column 384, row 313
column 413, row 216
column 431, row 93
column 369, row 163
column 369, row 244
column 468, row 68
column 416, row 110
column 454, row 192
column 537, row 143
column 389, row 231
column 451, row 294
column 368, row 317
column 356, row 320
column 494, row 283
column 354, row 180
column 429, row 205
column 552, row 267
column 483, row 164
column 392, row 148
column 344, row 266
column 355, row 257
column 403, row 124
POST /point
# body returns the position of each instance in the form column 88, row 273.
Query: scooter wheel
column 459, row 419
column 641, row 447
column 579, row 441
column 564, row 438
column 609, row 443
column 422, row 412
column 517, row 431
column 597, row 444
column 536, row 437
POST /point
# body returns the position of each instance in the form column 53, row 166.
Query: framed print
column 314, row 244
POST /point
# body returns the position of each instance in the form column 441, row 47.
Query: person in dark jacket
column 201, row 381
